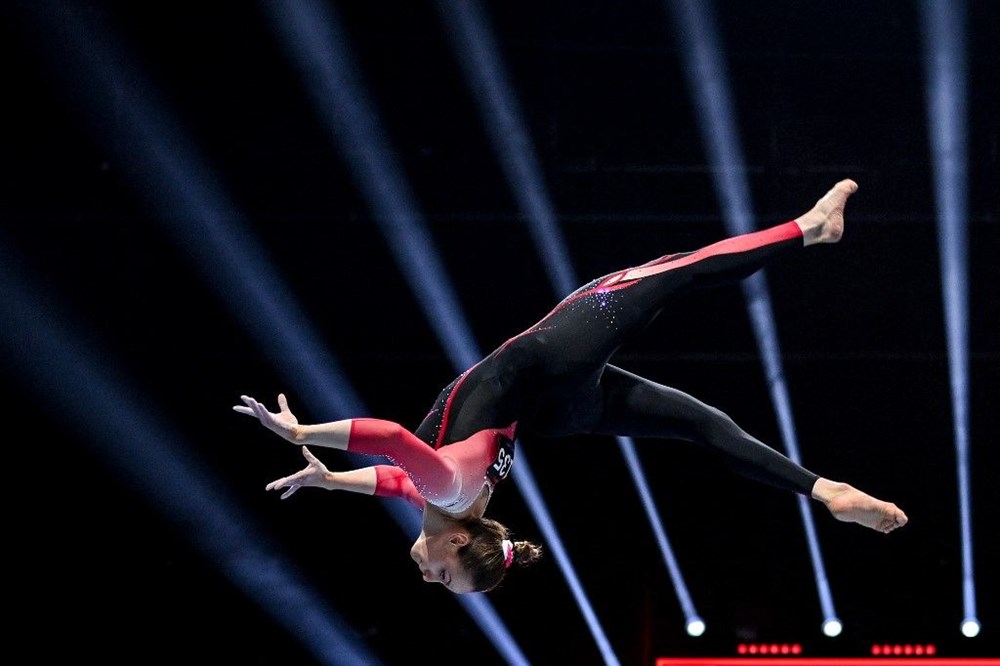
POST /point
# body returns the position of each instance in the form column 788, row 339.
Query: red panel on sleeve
column 391, row 481
column 434, row 476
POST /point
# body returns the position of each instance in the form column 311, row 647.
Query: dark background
column 106, row 570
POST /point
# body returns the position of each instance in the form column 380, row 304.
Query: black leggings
column 554, row 379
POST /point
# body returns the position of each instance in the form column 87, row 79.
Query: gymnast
column 555, row 380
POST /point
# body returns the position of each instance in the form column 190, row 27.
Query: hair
column 483, row 556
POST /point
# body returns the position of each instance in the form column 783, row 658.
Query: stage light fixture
column 832, row 627
column 970, row 627
column 695, row 626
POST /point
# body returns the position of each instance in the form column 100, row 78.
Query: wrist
column 298, row 434
column 333, row 435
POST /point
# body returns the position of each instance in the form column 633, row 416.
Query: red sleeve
column 432, row 475
column 393, row 482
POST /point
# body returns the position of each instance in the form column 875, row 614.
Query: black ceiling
column 95, row 234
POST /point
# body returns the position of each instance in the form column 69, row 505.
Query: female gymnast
column 554, row 379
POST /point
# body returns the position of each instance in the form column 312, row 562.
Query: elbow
column 395, row 432
column 388, row 430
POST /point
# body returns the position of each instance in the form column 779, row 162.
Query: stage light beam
column 479, row 57
column 947, row 99
column 317, row 44
column 708, row 81
column 692, row 619
column 168, row 172
column 476, row 51
column 158, row 465
column 312, row 34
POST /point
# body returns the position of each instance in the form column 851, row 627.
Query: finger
column 258, row 409
column 288, row 493
column 309, row 455
column 282, row 402
column 243, row 410
column 251, row 404
column 282, row 482
column 254, row 403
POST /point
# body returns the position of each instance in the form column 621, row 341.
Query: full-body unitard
column 554, row 379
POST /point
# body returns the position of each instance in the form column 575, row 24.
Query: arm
column 316, row 475
column 371, row 436
column 393, row 482
column 333, row 435
column 436, row 475
column 379, row 480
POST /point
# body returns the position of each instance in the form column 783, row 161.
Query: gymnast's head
column 469, row 554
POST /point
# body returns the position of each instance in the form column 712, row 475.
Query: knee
column 713, row 422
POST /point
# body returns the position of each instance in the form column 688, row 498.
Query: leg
column 637, row 407
column 612, row 308
column 634, row 406
column 823, row 223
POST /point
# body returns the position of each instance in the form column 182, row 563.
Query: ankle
column 825, row 490
column 811, row 231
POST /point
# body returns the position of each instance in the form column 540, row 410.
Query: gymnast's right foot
column 825, row 222
column 850, row 505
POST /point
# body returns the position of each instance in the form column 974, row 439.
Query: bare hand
column 283, row 422
column 315, row 475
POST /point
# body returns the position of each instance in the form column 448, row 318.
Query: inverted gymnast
column 553, row 380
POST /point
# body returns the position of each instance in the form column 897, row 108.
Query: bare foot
column 825, row 222
column 850, row 505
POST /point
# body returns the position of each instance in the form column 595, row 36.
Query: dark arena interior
column 351, row 202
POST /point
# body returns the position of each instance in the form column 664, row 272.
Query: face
column 437, row 557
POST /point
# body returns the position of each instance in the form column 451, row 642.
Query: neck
column 436, row 519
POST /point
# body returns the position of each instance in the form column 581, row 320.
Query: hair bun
column 526, row 553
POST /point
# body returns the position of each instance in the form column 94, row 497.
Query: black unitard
column 554, row 379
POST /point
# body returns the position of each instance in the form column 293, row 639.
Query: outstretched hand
column 283, row 422
column 315, row 475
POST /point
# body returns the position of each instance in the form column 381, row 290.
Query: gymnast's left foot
column 850, row 505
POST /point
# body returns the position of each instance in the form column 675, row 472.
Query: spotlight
column 970, row 627
column 832, row 627
column 706, row 74
column 481, row 62
column 947, row 111
column 696, row 626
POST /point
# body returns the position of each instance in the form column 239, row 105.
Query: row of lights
column 877, row 649
column 904, row 649
column 769, row 648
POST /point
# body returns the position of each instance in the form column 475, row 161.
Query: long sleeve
column 391, row 481
column 433, row 476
